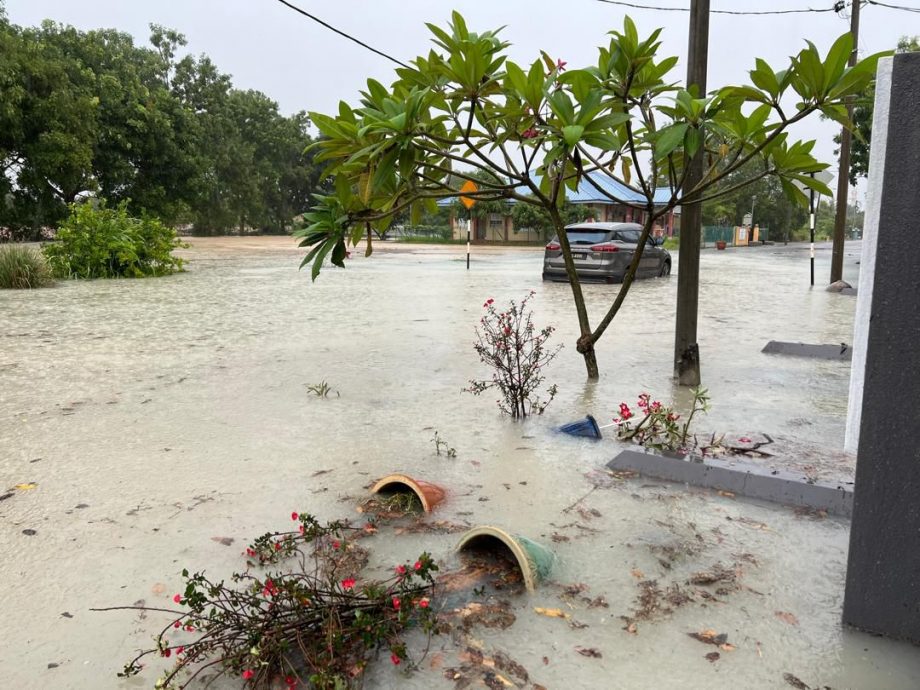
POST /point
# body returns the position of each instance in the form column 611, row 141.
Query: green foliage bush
column 23, row 268
column 108, row 243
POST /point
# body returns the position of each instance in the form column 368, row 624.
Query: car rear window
column 586, row 236
column 628, row 236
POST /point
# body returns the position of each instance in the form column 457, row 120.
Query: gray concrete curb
column 842, row 352
column 741, row 478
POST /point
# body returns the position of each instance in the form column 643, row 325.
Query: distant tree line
column 89, row 113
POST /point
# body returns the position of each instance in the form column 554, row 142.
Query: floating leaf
column 787, row 617
column 26, row 487
column 551, row 613
column 589, row 652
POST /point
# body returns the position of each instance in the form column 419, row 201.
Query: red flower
column 290, row 680
column 270, row 589
column 336, row 545
column 189, row 628
column 530, row 133
column 302, row 529
column 177, row 624
column 248, row 673
column 177, row 598
column 396, row 603
column 277, row 546
column 294, row 516
column 625, row 412
column 418, row 565
column 166, row 652
column 400, row 570
column 348, row 583
column 249, row 552
column 179, row 650
column 395, row 659
column 423, row 603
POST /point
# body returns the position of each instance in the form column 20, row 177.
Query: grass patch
column 23, row 268
column 671, row 243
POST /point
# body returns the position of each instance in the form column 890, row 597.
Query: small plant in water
column 517, row 352
column 658, row 426
column 322, row 389
column 314, row 625
column 440, row 443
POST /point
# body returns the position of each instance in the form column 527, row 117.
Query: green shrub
column 108, row 243
column 23, row 268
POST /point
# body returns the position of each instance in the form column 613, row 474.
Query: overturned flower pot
column 430, row 495
column 534, row 560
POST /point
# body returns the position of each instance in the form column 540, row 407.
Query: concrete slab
column 841, row 352
column 741, row 477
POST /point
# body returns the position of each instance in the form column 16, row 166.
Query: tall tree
column 541, row 129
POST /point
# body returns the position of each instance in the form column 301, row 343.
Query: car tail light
column 605, row 248
column 552, row 246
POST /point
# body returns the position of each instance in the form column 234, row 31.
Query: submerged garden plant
column 23, row 268
column 658, row 426
column 316, row 624
column 510, row 345
column 102, row 242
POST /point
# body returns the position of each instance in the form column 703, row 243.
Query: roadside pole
column 811, row 229
column 468, row 223
column 469, row 187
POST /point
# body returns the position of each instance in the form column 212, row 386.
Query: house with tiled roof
column 499, row 227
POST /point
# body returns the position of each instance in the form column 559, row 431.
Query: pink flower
column 560, row 65
column 294, row 516
column 530, row 133
column 418, row 565
column 302, row 529
column 394, row 659
column 177, row 598
column 270, row 589
column 166, row 652
column 277, row 546
column 625, row 412
column 396, row 603
column 336, row 545
column 744, row 439
column 189, row 628
column 655, row 406
column 400, row 570
column 348, row 583
column 248, row 673
column 673, row 417
column 423, row 603
column 177, row 625
column 250, row 552
column 179, row 650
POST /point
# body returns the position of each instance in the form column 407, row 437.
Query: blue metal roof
column 587, row 193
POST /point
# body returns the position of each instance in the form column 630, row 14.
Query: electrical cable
column 895, row 7
column 803, row 10
column 342, row 33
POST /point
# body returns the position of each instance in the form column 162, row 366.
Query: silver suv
column 603, row 251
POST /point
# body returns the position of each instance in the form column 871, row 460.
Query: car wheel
column 665, row 270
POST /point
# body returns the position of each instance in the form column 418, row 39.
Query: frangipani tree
column 532, row 133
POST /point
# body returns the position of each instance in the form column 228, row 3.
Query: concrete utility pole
column 843, row 174
column 686, row 349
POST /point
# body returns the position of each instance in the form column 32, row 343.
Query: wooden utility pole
column 686, row 349
column 843, row 174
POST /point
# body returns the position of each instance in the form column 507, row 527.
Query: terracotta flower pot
column 534, row 560
column 429, row 494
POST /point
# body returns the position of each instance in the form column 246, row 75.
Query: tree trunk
column 686, row 350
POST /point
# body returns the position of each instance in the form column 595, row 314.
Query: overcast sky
column 304, row 66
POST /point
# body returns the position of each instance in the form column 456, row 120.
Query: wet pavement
column 152, row 416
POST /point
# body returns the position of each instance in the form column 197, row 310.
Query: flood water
column 156, row 415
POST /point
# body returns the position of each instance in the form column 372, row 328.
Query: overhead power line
column 895, row 7
column 803, row 10
column 342, row 33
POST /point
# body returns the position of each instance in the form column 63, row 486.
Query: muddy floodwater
column 153, row 416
